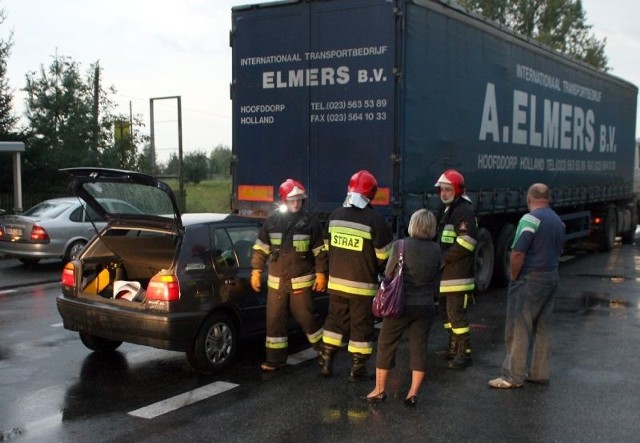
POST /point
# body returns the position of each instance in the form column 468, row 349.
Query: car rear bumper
column 29, row 250
column 171, row 331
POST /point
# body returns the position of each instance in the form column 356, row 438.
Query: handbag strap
column 400, row 252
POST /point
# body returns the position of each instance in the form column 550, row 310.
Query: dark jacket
column 421, row 270
column 358, row 242
column 457, row 235
column 295, row 248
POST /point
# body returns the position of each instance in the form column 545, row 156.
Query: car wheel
column 30, row 261
column 99, row 344
column 73, row 250
column 216, row 343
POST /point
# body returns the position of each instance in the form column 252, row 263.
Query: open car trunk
column 120, row 262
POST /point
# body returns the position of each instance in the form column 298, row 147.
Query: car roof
column 61, row 200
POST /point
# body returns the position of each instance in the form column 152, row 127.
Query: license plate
column 14, row 232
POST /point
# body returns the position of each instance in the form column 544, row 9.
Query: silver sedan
column 55, row 228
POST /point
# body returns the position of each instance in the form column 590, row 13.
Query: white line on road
column 56, row 325
column 302, row 356
column 8, row 291
column 187, row 398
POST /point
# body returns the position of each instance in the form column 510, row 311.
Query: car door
column 232, row 249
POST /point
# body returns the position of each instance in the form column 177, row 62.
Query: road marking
column 185, row 399
column 8, row 291
column 56, row 325
column 302, row 356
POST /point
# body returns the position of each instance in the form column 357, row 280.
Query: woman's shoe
column 376, row 398
column 411, row 401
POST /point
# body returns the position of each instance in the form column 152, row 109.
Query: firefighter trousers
column 300, row 304
column 453, row 312
column 350, row 317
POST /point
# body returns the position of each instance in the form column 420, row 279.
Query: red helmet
column 292, row 189
column 363, row 182
column 453, row 178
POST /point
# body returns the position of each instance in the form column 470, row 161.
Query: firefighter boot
column 462, row 357
column 326, row 359
column 450, row 351
column 359, row 368
column 318, row 348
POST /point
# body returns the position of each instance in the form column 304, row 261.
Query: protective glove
column 321, row 283
column 255, row 279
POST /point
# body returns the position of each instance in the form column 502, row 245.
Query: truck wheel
column 503, row 252
column 609, row 228
column 629, row 237
column 215, row 346
column 483, row 260
column 99, row 344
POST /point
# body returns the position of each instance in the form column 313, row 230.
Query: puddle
column 591, row 302
column 611, row 278
column 597, row 299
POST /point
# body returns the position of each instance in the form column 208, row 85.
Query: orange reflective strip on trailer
column 383, row 197
column 255, row 193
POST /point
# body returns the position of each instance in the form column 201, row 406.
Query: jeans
column 529, row 307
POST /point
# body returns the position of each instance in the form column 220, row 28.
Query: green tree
column 559, row 24
column 71, row 123
column 7, row 117
column 220, row 160
column 60, row 120
column 195, row 167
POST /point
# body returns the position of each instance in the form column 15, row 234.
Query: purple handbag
column 389, row 301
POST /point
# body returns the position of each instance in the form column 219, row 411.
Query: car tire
column 99, row 344
column 215, row 346
column 73, row 250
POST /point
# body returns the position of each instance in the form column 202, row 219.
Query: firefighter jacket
column 457, row 235
column 358, row 242
column 294, row 245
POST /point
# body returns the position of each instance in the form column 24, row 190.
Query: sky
column 158, row 48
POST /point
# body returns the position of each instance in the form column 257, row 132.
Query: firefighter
column 292, row 240
column 358, row 242
column 457, row 233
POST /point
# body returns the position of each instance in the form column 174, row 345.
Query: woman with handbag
column 420, row 263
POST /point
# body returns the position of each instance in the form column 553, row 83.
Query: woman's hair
column 422, row 224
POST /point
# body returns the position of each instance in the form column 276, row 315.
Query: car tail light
column 597, row 220
column 163, row 287
column 1, row 232
column 69, row 275
column 39, row 233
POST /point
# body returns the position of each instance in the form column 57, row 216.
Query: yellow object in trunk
column 100, row 282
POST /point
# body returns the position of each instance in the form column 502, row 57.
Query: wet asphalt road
column 53, row 389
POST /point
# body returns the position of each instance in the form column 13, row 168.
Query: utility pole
column 96, row 107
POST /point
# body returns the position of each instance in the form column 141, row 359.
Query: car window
column 223, row 254
column 77, row 215
column 232, row 247
column 243, row 240
column 93, row 215
column 133, row 198
column 47, row 209
column 121, row 207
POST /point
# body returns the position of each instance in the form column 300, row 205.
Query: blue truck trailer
column 410, row 88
